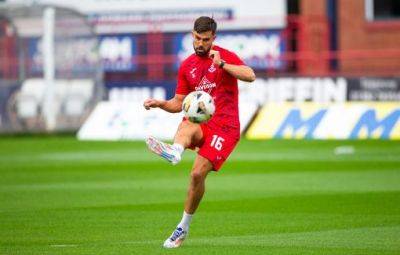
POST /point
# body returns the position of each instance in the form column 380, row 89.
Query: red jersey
column 199, row 73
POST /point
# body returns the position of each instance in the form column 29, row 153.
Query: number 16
column 217, row 142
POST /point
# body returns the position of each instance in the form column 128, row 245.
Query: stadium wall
column 357, row 32
column 359, row 45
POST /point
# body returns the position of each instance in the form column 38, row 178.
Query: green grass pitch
column 62, row 196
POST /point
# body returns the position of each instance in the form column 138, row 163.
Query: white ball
column 198, row 106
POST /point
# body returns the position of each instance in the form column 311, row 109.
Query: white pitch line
column 63, row 245
column 340, row 150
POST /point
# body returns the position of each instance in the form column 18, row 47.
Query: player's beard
column 201, row 51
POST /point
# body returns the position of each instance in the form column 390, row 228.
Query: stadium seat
column 77, row 97
column 30, row 98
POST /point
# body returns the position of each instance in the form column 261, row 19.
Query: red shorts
column 217, row 143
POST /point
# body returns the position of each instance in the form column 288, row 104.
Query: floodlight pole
column 49, row 68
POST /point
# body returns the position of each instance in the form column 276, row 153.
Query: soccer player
column 214, row 70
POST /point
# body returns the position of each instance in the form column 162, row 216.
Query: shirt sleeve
column 232, row 58
column 182, row 87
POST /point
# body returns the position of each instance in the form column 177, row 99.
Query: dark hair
column 204, row 24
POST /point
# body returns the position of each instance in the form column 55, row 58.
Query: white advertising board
column 128, row 121
column 114, row 121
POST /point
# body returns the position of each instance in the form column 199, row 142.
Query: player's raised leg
column 171, row 153
column 201, row 168
column 188, row 133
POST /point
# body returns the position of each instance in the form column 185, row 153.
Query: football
column 198, row 106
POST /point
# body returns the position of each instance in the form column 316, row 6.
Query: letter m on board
column 296, row 126
column 369, row 123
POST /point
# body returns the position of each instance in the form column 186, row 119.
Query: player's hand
column 214, row 55
column 151, row 103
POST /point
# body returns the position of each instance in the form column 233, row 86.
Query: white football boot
column 164, row 150
column 176, row 239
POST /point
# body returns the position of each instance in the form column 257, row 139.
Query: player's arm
column 173, row 105
column 241, row 72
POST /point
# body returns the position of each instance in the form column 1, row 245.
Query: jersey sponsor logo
column 206, row 85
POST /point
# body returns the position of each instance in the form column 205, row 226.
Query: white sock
column 185, row 222
column 178, row 147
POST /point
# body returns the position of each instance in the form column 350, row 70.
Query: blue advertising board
column 118, row 52
column 74, row 54
column 258, row 49
column 132, row 91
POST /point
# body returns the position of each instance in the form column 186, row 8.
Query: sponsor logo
column 369, row 126
column 116, row 52
column 322, row 90
column 258, row 50
column 307, row 120
column 294, row 124
column 206, row 85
